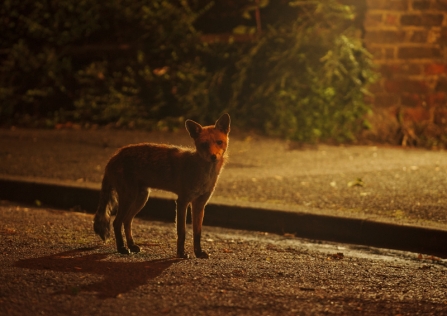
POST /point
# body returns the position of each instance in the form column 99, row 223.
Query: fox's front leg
column 198, row 212
column 181, row 228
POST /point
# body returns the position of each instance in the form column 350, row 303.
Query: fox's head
column 211, row 141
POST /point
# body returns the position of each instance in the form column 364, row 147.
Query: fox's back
column 170, row 168
column 144, row 155
column 147, row 163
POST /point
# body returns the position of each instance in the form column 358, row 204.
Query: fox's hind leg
column 126, row 196
column 136, row 206
column 182, row 206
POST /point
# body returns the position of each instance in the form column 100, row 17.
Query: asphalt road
column 52, row 264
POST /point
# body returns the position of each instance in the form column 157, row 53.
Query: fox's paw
column 183, row 255
column 123, row 250
column 134, row 248
column 202, row 254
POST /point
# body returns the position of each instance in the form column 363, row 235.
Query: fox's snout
column 211, row 153
column 212, row 157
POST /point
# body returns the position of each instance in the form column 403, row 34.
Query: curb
column 70, row 195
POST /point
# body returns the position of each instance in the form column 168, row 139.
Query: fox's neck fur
column 209, row 170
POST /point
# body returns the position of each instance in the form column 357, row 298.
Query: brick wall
column 408, row 39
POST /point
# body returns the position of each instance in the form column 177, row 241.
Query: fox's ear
column 193, row 128
column 223, row 123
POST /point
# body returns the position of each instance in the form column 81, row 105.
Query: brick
column 426, row 20
column 391, row 20
column 373, row 20
column 434, row 35
column 385, row 36
column 411, row 19
column 437, row 99
column 377, row 52
column 394, row 5
column 396, row 70
column 411, row 100
column 421, row 5
column 419, row 37
column 432, row 19
column 384, row 100
column 443, row 36
column 440, row 116
column 440, row 5
column 441, row 85
column 403, row 85
column 375, row 88
column 389, row 70
column 419, row 52
column 435, row 69
column 389, row 53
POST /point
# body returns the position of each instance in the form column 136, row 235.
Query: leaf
column 8, row 231
column 356, row 183
column 336, row 256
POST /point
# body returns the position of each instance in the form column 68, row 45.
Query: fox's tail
column 101, row 222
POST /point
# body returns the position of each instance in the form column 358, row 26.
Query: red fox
column 191, row 174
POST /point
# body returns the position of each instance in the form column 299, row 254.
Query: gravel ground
column 53, row 264
column 407, row 186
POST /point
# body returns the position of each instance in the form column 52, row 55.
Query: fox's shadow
column 119, row 277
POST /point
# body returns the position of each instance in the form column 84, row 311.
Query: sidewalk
column 378, row 196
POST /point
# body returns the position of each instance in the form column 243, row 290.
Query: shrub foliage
column 100, row 61
column 142, row 63
column 306, row 80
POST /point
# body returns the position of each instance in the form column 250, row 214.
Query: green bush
column 100, row 61
column 141, row 63
column 306, row 80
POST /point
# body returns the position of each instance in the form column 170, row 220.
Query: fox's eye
column 219, row 142
column 204, row 145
